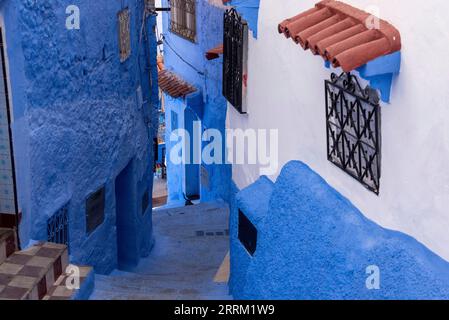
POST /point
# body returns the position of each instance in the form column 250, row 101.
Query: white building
column 285, row 91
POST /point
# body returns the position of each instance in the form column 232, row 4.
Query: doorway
column 191, row 185
column 127, row 252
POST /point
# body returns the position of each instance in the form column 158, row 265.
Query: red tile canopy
column 340, row 33
column 215, row 52
column 171, row 84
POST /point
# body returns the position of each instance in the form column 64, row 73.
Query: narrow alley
column 190, row 247
column 224, row 150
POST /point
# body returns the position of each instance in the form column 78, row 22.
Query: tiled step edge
column 27, row 274
column 62, row 288
column 8, row 243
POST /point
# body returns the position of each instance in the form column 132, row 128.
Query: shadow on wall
column 312, row 243
column 127, row 252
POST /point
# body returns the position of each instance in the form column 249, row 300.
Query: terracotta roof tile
column 215, row 52
column 339, row 33
column 160, row 63
column 173, row 85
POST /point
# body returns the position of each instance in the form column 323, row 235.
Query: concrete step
column 8, row 244
column 156, row 281
column 66, row 286
column 190, row 244
column 154, row 287
column 115, row 295
column 28, row 274
column 43, row 272
column 213, row 215
column 200, row 208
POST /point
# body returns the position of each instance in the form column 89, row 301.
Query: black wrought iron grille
column 353, row 129
column 183, row 18
column 233, row 42
column 58, row 226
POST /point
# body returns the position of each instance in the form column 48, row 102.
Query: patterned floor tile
column 13, row 293
column 10, row 268
column 43, row 262
column 23, row 282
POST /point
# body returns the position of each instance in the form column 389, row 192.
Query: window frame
column 235, row 59
column 353, row 125
column 124, row 34
column 182, row 19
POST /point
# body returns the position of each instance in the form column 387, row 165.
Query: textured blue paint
column 314, row 244
column 191, row 174
column 77, row 118
column 249, row 10
column 174, row 115
column 256, row 212
column 206, row 76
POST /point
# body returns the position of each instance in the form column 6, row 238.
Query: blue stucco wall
column 314, row 244
column 77, row 120
column 256, row 212
column 206, row 76
column 174, row 116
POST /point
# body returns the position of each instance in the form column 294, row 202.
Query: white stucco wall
column 286, row 92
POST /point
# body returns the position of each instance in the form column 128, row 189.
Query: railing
column 58, row 227
column 354, row 129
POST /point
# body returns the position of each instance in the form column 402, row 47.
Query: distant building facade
column 190, row 30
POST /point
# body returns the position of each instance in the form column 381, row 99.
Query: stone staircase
column 191, row 243
column 39, row 272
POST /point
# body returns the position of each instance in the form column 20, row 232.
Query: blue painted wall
column 77, row 118
column 314, row 244
column 206, row 76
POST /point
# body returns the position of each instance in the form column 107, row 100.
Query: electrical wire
column 180, row 57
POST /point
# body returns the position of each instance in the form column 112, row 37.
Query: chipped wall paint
column 77, row 122
column 206, row 76
column 286, row 91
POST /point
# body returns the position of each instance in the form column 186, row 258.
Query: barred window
column 124, row 34
column 58, row 226
column 234, row 56
column 353, row 129
column 183, row 18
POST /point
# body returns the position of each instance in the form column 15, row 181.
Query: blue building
column 190, row 30
column 83, row 107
